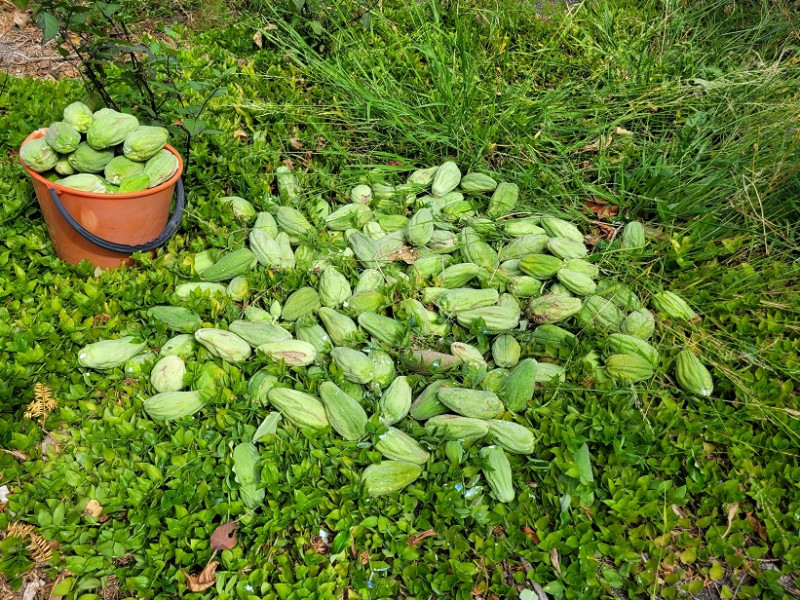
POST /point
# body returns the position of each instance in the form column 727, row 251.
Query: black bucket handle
column 162, row 239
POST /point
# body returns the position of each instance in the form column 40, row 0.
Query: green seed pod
column 342, row 330
column 523, row 246
column 673, row 306
column 242, row 209
column 629, row 367
column 86, row 159
column 181, row 345
column 478, row 182
column 581, row 266
column 308, row 330
column 620, row 343
column 420, row 227
column 168, row 374
column 259, row 386
column 134, row 183
column 160, row 167
column 553, row 308
column 356, row 366
column 517, row 389
column 503, row 200
column 301, row 302
column 334, row 289
column 144, row 142
column 559, row 228
column 395, row 402
column 639, row 323
column 454, row 427
column 446, row 178
column 396, row 445
column 692, row 375
column 79, row 116
column 385, row 372
column 505, row 351
column 295, row 353
column 423, row 177
column 525, row 287
column 497, row 471
column 108, row 354
column 389, row 477
column 345, row 414
column 540, row 266
column 566, row 248
column 62, row 137
column 476, row 404
column 302, row 409
column 599, row 313
column 361, row 194
column 520, row 227
column 225, row 344
column 512, row 437
column 575, row 282
column 633, row 237
column 110, row 128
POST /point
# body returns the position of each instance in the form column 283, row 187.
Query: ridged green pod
column 427, row 404
column 395, row 402
column 505, row 351
column 369, row 279
column 168, row 374
column 257, row 333
column 385, row 329
column 144, row 142
column 629, row 367
column 240, row 208
column 307, row 329
column 525, row 287
column 368, row 301
column 476, row 404
column 554, row 337
column 238, row 262
column 632, row 237
column 446, row 178
column 169, row 406
column 619, row 293
column 520, row 247
column 177, row 318
column 85, row 182
column 454, row 427
column 86, row 159
column 295, row 353
column 443, row 242
column 266, row 223
column 517, row 390
column 385, row 371
column 109, row 128
column 423, row 177
column 361, row 194
column 301, row 302
column 566, row 248
column 456, row 276
column 160, row 167
column 259, row 386
column 182, row 345
column 457, row 300
column 334, row 288
column 134, row 183
column 475, row 250
column 416, row 315
column 302, row 409
column 420, row 228
column 62, row 137
column 497, row 471
column 79, row 116
column 63, row 167
column 599, row 313
column 225, row 344
column 341, row 328
column 109, row 354
column 265, row 248
column 520, row 227
column 495, row 318
column 356, row 366
column 288, row 186
column 692, row 375
column 348, row 216
column 478, row 182
column 540, row 266
column 553, row 308
column 429, row 266
column 494, row 381
column 288, row 260
column 245, row 468
column 390, row 223
column 294, row 223
column 344, row 413
column 575, row 282
column 621, row 343
column 546, row 372
column 673, row 306
column 397, row 445
column 639, row 323
column 512, row 437
column 140, row 365
column 389, row 477
column 238, row 288
column 559, row 228
column 584, row 267
column 503, row 200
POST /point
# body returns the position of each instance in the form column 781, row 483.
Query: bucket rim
column 37, row 178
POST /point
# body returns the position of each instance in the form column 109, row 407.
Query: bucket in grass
column 106, row 229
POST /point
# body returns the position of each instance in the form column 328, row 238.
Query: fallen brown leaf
column 18, row 454
column 531, row 534
column 320, row 544
column 258, row 39
column 733, row 508
column 757, row 526
column 622, row 131
column 406, row 254
column 93, row 508
column 21, row 18
column 416, row 538
column 587, row 382
column 601, row 207
column 223, row 537
column 295, row 143
column 597, row 144
column 206, row 578
column 240, row 134
column 554, row 560
column 100, row 318
column 364, row 557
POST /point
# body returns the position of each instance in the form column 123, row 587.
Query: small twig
column 24, row 60
column 540, row 593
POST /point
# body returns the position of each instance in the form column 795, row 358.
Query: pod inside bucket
column 106, row 229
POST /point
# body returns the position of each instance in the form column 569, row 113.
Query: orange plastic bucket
column 106, row 229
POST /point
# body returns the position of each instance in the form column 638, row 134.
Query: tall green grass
column 685, row 113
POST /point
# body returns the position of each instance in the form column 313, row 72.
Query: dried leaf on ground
column 21, row 18
column 733, row 508
column 601, row 207
column 416, row 538
column 757, row 526
column 622, row 131
column 597, row 144
column 205, row 579
column 295, row 143
column 555, row 561
column 93, row 508
column 406, row 254
column 258, row 39
column 320, row 543
column 223, row 537
column 240, row 134
column 18, row 454
column 531, row 534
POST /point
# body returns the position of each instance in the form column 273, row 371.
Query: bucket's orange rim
column 60, row 188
